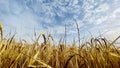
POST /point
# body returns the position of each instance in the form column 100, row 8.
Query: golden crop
column 98, row 53
column 0, row 26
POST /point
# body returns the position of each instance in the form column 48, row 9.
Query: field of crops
column 96, row 53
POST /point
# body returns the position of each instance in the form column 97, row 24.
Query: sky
column 23, row 17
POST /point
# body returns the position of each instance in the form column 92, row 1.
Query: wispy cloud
column 24, row 15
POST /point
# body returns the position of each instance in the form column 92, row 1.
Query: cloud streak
column 24, row 15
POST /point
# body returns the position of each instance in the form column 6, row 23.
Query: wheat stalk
column 1, row 30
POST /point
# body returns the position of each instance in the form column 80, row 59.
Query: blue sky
column 22, row 16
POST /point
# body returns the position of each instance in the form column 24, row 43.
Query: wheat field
column 96, row 53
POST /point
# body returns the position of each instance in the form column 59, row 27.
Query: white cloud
column 23, row 16
column 116, row 13
column 101, row 20
column 96, row 15
column 75, row 2
column 22, row 24
column 102, row 8
column 57, row 30
column 113, row 33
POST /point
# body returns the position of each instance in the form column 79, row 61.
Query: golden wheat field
column 96, row 53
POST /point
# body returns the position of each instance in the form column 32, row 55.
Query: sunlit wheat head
column 0, row 26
